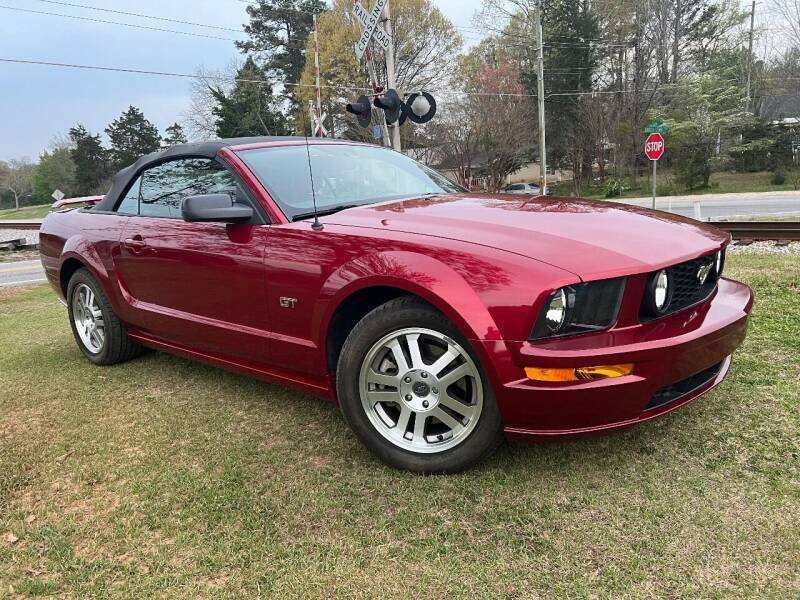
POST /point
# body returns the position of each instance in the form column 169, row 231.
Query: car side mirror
column 214, row 208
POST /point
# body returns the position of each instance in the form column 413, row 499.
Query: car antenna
column 316, row 225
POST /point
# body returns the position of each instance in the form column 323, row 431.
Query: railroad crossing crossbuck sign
column 654, row 146
column 317, row 127
column 369, row 27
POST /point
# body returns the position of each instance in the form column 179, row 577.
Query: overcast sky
column 39, row 102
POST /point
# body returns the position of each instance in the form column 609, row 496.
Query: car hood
column 593, row 240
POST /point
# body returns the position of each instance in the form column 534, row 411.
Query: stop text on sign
column 654, row 146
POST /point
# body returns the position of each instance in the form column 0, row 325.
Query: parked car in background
column 439, row 320
column 526, row 188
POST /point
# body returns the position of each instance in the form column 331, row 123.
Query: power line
column 103, row 21
column 143, row 16
column 353, row 88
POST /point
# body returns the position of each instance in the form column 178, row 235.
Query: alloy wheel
column 88, row 318
column 421, row 390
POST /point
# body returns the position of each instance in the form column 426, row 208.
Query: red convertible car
column 440, row 321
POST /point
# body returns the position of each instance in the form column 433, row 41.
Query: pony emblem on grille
column 703, row 271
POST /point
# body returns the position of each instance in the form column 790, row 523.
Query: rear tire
column 413, row 391
column 100, row 335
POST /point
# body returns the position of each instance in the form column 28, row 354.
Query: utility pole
column 395, row 128
column 750, row 54
column 540, row 99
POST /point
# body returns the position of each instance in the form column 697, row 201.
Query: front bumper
column 691, row 349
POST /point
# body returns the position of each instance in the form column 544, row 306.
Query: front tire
column 413, row 391
column 100, row 335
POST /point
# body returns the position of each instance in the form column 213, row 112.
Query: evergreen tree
column 250, row 108
column 175, row 136
column 278, row 31
column 570, row 62
column 90, row 158
column 132, row 136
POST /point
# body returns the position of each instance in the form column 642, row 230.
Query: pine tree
column 132, row 136
column 278, row 31
column 175, row 136
column 250, row 108
column 569, row 63
column 91, row 161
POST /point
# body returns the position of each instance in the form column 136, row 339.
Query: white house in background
column 532, row 172
column 473, row 179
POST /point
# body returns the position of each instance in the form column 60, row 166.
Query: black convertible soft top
column 123, row 178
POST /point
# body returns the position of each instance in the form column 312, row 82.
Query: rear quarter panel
column 89, row 238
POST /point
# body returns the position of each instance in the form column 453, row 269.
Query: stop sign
column 654, row 146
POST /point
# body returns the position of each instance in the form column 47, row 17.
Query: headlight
column 659, row 293
column 556, row 311
column 579, row 308
column 719, row 262
column 661, row 290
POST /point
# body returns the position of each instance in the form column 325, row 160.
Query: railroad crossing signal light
column 362, row 109
column 420, row 107
column 391, row 105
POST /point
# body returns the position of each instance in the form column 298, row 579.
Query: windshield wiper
column 322, row 211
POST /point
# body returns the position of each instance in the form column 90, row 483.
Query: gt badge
column 288, row 302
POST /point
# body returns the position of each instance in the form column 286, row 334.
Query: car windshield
column 344, row 175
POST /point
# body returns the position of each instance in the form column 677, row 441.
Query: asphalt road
column 727, row 206
column 21, row 272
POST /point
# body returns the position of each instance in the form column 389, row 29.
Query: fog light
column 579, row 373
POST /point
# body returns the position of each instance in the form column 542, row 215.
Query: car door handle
column 136, row 243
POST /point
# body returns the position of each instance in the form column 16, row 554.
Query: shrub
column 613, row 188
column 778, row 177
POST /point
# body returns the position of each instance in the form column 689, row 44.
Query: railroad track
column 740, row 230
column 761, row 230
column 30, row 225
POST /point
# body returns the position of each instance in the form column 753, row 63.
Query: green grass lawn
column 721, row 183
column 26, row 212
column 165, row 478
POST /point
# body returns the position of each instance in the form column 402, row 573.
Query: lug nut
column 425, row 404
column 409, row 397
column 435, row 390
column 424, row 375
column 407, row 380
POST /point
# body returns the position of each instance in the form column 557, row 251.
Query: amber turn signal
column 579, row 373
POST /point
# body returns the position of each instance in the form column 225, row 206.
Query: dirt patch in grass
column 163, row 478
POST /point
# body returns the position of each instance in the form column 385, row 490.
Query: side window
column 515, row 187
column 130, row 203
column 163, row 188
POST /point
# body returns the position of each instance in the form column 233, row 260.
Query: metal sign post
column 653, row 149
column 391, row 76
column 655, row 163
column 364, row 19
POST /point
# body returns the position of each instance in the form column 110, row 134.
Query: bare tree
column 199, row 120
column 456, row 136
column 17, row 179
column 789, row 11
